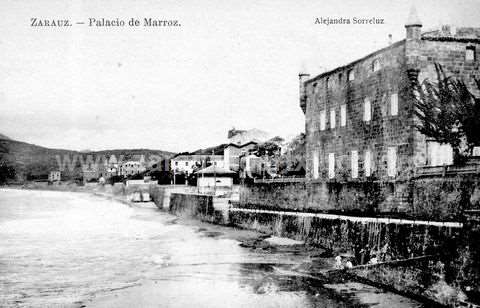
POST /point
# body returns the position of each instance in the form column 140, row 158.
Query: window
column 367, row 110
column 351, row 75
column 367, row 164
column 186, row 163
column 331, row 165
column 315, row 165
column 176, row 163
column 394, row 104
column 354, row 161
column 391, row 161
column 439, row 154
column 332, row 118
column 327, row 83
column 322, row 120
column 340, row 76
column 470, row 53
column 375, row 65
column 343, row 115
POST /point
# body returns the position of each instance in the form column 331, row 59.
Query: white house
column 214, row 179
column 54, row 176
column 188, row 162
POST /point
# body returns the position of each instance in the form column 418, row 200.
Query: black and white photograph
column 241, row 153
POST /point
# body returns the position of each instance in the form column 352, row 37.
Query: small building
column 92, row 171
column 55, row 176
column 130, row 168
column 215, row 180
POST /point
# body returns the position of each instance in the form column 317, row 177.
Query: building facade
column 233, row 153
column 130, row 168
column 54, row 176
column 359, row 119
column 188, row 163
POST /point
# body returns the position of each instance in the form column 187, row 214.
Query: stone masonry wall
column 382, row 131
column 436, row 199
column 361, row 238
column 191, row 205
column 451, row 55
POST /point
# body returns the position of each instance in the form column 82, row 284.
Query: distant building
column 187, row 163
column 93, row 171
column 112, row 167
column 232, row 154
column 112, row 170
column 54, row 176
column 130, row 168
column 360, row 121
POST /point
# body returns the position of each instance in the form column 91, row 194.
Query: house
column 359, row 117
column 93, row 171
column 187, row 163
column 214, row 179
column 54, row 176
column 232, row 154
column 132, row 167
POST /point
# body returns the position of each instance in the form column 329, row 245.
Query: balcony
column 470, row 168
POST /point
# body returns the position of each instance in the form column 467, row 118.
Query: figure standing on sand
column 338, row 262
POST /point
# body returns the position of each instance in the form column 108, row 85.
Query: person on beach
column 338, row 262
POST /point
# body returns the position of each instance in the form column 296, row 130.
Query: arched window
column 375, row 65
column 351, row 75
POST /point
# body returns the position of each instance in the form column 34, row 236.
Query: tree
column 448, row 112
column 7, row 172
column 267, row 148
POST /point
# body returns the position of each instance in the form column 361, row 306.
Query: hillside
column 31, row 161
column 217, row 150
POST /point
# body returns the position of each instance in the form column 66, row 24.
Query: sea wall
column 191, row 205
column 439, row 199
column 361, row 236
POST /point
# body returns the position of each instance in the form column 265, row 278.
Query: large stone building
column 359, row 117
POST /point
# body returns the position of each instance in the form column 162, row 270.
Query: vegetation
column 449, row 113
column 25, row 161
column 7, row 172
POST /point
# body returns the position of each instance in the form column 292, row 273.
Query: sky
column 230, row 64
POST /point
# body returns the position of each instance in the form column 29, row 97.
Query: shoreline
column 351, row 291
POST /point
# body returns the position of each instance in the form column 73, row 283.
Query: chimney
column 390, row 39
column 413, row 25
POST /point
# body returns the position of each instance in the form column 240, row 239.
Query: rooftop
column 215, row 170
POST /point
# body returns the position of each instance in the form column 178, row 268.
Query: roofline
column 343, row 67
column 451, row 39
column 241, row 145
column 203, row 155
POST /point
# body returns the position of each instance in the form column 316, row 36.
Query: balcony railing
column 281, row 180
column 448, row 170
